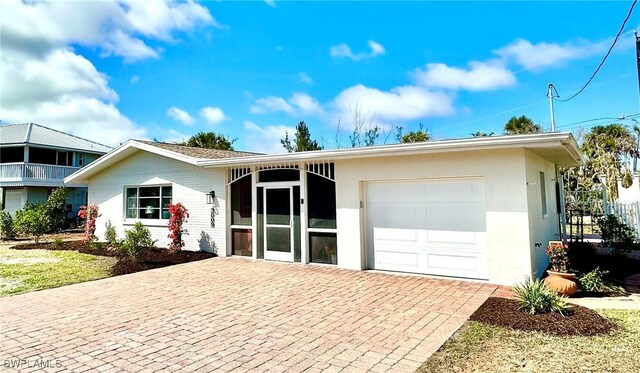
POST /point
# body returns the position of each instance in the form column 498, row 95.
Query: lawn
column 29, row 270
column 479, row 347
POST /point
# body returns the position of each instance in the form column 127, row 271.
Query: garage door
column 431, row 227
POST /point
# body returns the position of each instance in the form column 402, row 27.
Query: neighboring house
column 34, row 160
column 481, row 208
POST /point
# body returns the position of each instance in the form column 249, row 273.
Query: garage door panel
column 455, row 216
column 395, row 235
column 430, row 227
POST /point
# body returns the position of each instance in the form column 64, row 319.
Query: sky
column 111, row 71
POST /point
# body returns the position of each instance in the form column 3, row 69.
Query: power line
column 605, row 119
column 604, row 59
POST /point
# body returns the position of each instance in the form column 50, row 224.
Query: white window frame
column 129, row 220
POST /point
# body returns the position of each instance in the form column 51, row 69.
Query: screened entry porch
column 284, row 212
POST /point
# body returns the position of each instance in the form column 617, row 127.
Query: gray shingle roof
column 31, row 133
column 201, row 153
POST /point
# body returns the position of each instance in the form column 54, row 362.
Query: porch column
column 304, row 240
column 254, row 214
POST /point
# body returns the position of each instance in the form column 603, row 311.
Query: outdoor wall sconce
column 210, row 197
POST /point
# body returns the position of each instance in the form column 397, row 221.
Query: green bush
column 56, row 207
column 617, row 234
column 535, row 297
column 7, row 226
column 110, row 233
column 57, row 242
column 135, row 240
column 33, row 220
column 96, row 245
column 593, row 281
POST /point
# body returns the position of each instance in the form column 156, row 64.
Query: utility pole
column 635, row 32
column 550, row 95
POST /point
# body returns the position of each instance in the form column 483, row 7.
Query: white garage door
column 431, row 227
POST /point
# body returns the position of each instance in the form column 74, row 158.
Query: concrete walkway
column 232, row 314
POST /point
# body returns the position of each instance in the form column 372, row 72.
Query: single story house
column 479, row 208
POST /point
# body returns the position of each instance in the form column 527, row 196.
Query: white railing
column 628, row 212
column 34, row 171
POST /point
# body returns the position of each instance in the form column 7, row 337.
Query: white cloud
column 180, row 115
column 271, row 3
column 270, row 104
column 44, row 80
column 265, row 139
column 115, row 27
column 305, row 78
column 479, row 76
column 398, row 104
column 543, row 54
column 135, row 79
column 213, row 115
column 298, row 103
column 343, row 50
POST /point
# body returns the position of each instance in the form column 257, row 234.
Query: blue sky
column 113, row 70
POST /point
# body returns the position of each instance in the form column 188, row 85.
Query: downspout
column 561, row 208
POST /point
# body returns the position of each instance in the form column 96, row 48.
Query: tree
column 56, row 206
column 521, row 125
column 302, row 141
column 33, row 220
column 414, row 136
column 609, row 148
column 482, row 134
column 210, row 140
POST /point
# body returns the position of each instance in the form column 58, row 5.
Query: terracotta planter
column 561, row 283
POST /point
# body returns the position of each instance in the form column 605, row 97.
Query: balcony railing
column 18, row 171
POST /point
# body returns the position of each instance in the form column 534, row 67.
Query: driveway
column 237, row 314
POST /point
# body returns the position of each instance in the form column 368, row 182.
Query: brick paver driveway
column 229, row 314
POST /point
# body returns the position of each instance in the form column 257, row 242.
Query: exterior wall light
column 210, row 197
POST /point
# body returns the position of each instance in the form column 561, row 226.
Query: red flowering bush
column 90, row 213
column 558, row 258
column 178, row 216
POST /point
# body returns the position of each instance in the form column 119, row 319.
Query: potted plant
column 559, row 278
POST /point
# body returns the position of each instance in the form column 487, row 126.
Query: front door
column 278, row 225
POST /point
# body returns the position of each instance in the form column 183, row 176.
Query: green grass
column 482, row 348
column 31, row 270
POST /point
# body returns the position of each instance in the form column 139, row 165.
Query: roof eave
column 563, row 139
column 83, row 174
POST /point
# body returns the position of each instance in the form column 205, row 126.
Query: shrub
column 33, row 220
column 535, row 297
column 558, row 258
column 135, row 240
column 179, row 215
column 56, row 206
column 617, row 234
column 7, row 226
column 110, row 233
column 592, row 281
column 57, row 242
column 96, row 245
column 91, row 214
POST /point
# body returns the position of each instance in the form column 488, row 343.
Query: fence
column 629, row 213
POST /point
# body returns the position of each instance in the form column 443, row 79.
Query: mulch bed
column 505, row 313
column 150, row 258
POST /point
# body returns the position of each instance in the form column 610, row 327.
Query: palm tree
column 482, row 134
column 521, row 125
column 210, row 140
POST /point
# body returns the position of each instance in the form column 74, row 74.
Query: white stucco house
column 477, row 208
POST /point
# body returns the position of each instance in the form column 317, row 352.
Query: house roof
column 200, row 153
column 559, row 147
column 35, row 134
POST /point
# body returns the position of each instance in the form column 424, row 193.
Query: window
column 80, row 159
column 148, row 202
column 543, row 194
